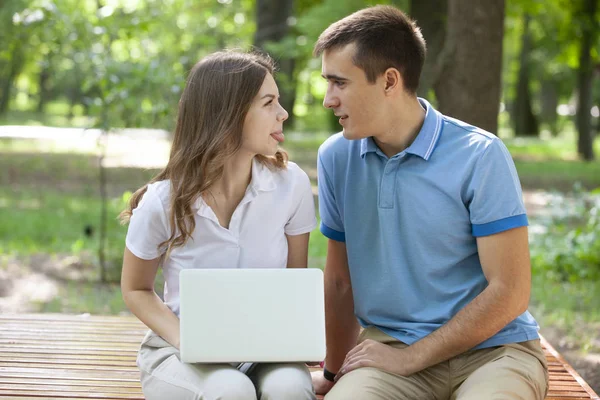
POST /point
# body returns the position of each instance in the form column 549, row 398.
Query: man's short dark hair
column 385, row 37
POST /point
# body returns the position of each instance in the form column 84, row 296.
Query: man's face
column 358, row 103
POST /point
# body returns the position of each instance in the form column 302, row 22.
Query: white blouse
column 276, row 203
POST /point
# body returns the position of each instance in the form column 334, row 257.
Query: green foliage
column 570, row 250
column 124, row 61
column 556, row 32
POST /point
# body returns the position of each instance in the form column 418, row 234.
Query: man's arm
column 505, row 261
column 341, row 325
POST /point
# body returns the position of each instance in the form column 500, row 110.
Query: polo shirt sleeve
column 303, row 218
column 332, row 225
column 148, row 226
column 496, row 200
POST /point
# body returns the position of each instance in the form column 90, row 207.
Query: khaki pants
column 513, row 371
column 165, row 377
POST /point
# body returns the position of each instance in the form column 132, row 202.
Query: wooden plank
column 53, row 355
column 71, row 373
column 37, row 343
column 50, row 317
column 76, row 389
column 67, row 366
column 133, row 339
column 108, row 363
column 83, row 381
column 17, row 393
column 49, row 349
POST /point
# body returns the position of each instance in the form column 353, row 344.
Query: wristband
column 330, row 376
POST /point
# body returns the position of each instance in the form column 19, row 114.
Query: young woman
column 228, row 198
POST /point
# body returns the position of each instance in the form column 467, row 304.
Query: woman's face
column 263, row 126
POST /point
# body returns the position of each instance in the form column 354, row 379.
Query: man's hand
column 322, row 386
column 371, row 353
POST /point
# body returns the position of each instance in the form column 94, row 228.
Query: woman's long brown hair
column 218, row 94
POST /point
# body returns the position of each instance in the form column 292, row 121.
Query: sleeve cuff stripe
column 500, row 225
column 332, row 234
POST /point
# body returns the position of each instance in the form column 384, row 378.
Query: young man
column 427, row 231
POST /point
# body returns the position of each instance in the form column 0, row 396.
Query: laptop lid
column 251, row 315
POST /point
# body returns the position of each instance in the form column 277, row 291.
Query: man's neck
column 403, row 126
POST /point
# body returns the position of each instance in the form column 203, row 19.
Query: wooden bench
column 54, row 356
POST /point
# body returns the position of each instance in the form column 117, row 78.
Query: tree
column 272, row 25
column 16, row 26
column 468, row 83
column 590, row 28
column 431, row 16
column 525, row 121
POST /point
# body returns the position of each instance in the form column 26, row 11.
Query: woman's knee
column 232, row 385
column 289, row 381
column 199, row 382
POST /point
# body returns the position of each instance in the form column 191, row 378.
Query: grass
column 52, row 222
column 56, row 115
column 573, row 307
column 562, row 148
column 86, row 297
column 558, row 174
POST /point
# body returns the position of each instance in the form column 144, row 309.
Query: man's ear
column 393, row 81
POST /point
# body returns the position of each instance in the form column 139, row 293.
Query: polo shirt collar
column 262, row 177
column 425, row 142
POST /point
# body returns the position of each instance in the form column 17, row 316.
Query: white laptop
column 251, row 315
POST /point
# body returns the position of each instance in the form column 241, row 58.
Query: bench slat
column 53, row 355
column 50, row 380
column 45, row 387
column 49, row 349
column 64, row 373
column 17, row 393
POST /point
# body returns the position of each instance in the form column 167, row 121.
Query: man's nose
column 330, row 101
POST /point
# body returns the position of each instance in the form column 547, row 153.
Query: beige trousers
column 514, row 371
column 165, row 377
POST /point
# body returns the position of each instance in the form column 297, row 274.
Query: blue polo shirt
column 410, row 223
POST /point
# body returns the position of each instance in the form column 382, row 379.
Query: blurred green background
column 89, row 92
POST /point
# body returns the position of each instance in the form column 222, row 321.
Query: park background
column 89, row 91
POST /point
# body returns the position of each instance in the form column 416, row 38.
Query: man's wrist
column 330, row 376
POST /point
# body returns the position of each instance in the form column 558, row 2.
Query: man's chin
column 348, row 134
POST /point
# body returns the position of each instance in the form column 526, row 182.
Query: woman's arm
column 137, row 286
column 297, row 250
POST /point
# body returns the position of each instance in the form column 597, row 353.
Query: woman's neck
column 237, row 174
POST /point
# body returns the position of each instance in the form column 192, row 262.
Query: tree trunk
column 43, row 83
column 272, row 26
column 525, row 122
column 585, row 79
column 549, row 101
column 17, row 60
column 431, row 16
column 468, row 82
